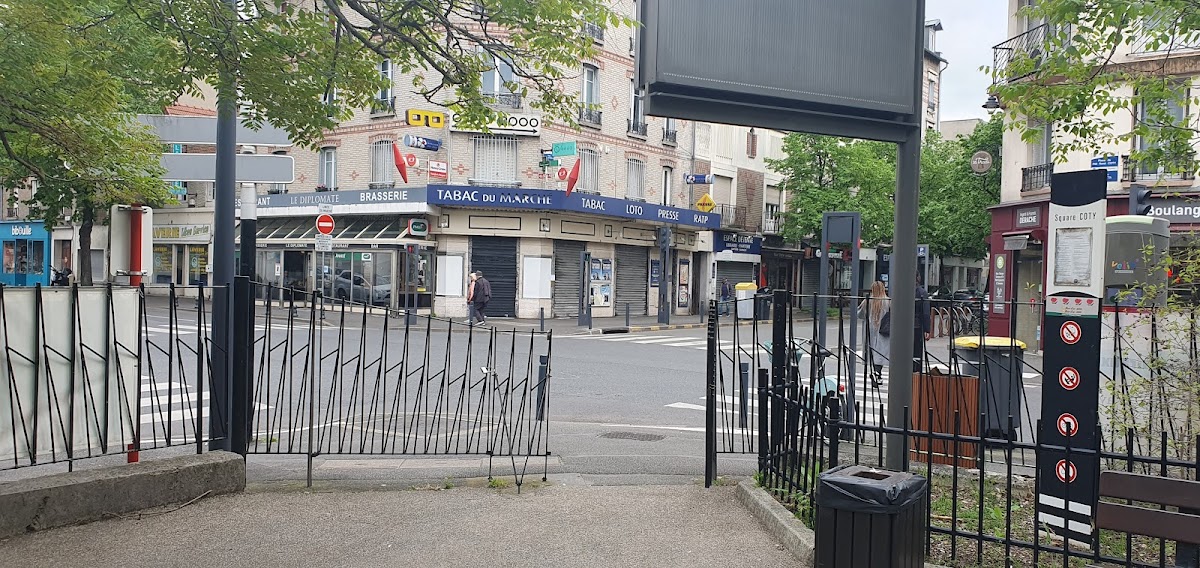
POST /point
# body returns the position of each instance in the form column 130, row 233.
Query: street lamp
column 992, row 105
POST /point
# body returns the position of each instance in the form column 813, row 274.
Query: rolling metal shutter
column 810, row 281
column 565, row 299
column 497, row 258
column 736, row 272
column 633, row 279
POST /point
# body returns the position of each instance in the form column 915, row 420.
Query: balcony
column 670, row 137
column 772, row 225
column 732, row 217
column 590, row 117
column 594, row 31
column 635, row 128
column 1020, row 56
column 1176, row 169
column 507, row 100
column 1035, row 178
column 383, row 107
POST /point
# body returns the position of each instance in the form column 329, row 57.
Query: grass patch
column 497, row 483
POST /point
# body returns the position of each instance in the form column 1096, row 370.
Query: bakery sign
column 181, row 232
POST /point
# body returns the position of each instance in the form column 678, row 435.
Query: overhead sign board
column 551, row 200
column 251, row 168
column 203, row 130
column 692, row 179
column 397, row 200
column 422, row 143
column 560, row 149
column 431, row 119
column 518, row 124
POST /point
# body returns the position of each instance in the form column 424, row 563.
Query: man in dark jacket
column 482, row 294
column 922, row 326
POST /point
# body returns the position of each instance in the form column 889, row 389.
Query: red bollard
column 131, row 456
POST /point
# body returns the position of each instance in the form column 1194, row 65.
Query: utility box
column 1136, row 246
column 870, row 517
column 744, row 291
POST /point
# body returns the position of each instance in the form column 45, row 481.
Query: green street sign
column 548, row 163
column 563, row 149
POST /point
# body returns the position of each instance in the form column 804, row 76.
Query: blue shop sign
column 737, row 242
column 552, row 200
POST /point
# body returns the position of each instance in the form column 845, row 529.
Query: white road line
column 685, row 406
column 688, row 343
column 630, row 337
column 662, row 340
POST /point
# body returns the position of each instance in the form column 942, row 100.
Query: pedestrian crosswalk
column 172, row 411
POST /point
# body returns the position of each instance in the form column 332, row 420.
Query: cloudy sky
column 972, row 27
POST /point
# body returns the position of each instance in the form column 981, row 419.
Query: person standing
column 482, row 295
column 878, row 310
column 726, row 291
column 922, row 326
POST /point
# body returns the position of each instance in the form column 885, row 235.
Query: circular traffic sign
column 1070, row 332
column 325, row 224
column 1067, row 424
column 1068, row 378
column 981, row 162
column 1065, row 471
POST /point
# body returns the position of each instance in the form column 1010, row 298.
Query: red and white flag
column 573, row 177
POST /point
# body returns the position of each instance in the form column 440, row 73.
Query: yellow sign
column 706, row 203
column 428, row 118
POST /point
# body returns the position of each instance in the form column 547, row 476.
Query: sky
column 972, row 27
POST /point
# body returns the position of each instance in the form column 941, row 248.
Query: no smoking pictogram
column 1068, row 378
column 1065, row 471
column 1067, row 424
column 1070, row 333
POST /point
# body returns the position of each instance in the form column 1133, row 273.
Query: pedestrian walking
column 481, row 295
column 922, row 326
column 471, row 298
column 878, row 310
column 726, row 292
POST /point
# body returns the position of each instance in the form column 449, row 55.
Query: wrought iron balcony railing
column 732, row 217
column 594, row 31
column 509, row 100
column 670, row 136
column 635, row 127
column 1173, row 169
column 590, row 116
column 1021, row 56
column 1037, row 177
column 772, row 225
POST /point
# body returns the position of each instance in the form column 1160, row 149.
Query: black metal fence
column 981, row 459
column 110, row 371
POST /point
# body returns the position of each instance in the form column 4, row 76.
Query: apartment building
column 1019, row 222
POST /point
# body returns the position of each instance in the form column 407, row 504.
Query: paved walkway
column 564, row 524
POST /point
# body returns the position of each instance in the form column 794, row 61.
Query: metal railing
column 1022, row 55
column 772, row 225
column 594, row 31
column 732, row 217
column 1180, row 169
column 670, row 136
column 1037, row 177
column 383, row 107
column 634, row 127
column 509, row 100
column 590, row 116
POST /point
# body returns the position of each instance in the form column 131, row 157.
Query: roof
column 186, row 110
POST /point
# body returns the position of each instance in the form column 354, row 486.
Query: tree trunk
column 84, row 274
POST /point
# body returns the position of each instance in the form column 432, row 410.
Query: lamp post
column 992, row 105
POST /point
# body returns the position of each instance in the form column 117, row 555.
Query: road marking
column 685, row 406
column 631, row 337
column 692, row 343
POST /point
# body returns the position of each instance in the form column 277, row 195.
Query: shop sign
column 514, row 123
column 1029, row 217
column 551, row 200
column 181, row 232
column 1177, row 210
column 737, row 242
column 349, row 201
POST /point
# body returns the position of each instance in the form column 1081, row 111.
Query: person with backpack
column 878, row 311
column 478, row 296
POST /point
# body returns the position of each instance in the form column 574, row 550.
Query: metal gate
column 497, row 258
column 565, row 300
column 633, row 277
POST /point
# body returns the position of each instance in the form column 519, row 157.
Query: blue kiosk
column 26, row 246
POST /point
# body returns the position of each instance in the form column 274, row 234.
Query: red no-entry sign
column 325, row 224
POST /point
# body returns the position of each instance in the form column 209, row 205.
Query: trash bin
column 1000, row 380
column 744, row 291
column 762, row 304
column 870, row 517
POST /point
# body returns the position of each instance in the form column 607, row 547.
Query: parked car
column 355, row 288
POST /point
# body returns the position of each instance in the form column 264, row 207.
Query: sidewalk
column 564, row 523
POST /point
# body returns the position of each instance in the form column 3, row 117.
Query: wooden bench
column 1182, row 526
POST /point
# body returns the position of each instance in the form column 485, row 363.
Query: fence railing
column 816, row 400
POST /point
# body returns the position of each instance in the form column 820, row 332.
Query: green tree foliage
column 823, row 174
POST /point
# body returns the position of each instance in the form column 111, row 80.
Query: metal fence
column 827, row 408
column 110, row 371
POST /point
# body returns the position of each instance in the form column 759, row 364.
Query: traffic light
column 1139, row 200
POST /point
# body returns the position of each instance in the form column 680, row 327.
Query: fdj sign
column 428, row 118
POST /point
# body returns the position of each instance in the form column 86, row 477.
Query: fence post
column 744, row 402
column 543, row 364
column 542, row 318
column 243, row 366
column 779, row 362
column 710, row 400
column 833, row 425
column 763, row 398
column 626, row 315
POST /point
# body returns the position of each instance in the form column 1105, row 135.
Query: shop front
column 542, row 251
column 180, row 253
column 1017, row 270
column 27, row 251
column 738, row 257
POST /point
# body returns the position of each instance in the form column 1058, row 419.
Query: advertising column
column 1075, row 250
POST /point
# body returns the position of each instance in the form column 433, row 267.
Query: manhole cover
column 633, row 436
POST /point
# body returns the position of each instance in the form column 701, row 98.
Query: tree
column 74, row 71
column 830, row 174
column 63, row 120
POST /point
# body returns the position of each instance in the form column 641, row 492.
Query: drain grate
column 636, row 436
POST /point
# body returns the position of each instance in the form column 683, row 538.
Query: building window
column 670, row 132
column 1041, row 150
column 383, row 163
column 496, row 81
column 931, row 95
column 1174, row 114
column 383, row 99
column 589, row 96
column 589, row 171
column 329, row 99
column 751, row 143
column 637, row 113
column 327, row 163
column 635, row 179
column 668, row 175
column 495, row 161
column 276, row 188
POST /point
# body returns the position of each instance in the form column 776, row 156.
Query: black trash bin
column 870, row 517
column 763, row 304
column 999, row 363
